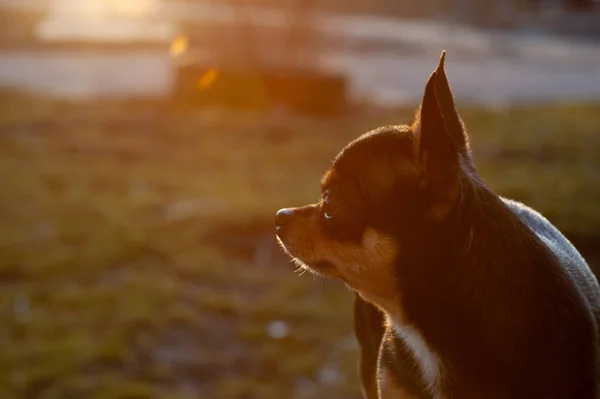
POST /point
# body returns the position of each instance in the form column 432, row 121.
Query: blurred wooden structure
column 306, row 91
column 258, row 67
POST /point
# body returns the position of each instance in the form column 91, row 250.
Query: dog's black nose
column 283, row 216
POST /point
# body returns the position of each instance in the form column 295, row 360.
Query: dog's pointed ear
column 439, row 151
column 454, row 125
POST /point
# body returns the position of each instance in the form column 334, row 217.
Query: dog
column 460, row 293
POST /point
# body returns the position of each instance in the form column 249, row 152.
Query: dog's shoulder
column 569, row 258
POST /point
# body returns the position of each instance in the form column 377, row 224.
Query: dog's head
column 379, row 190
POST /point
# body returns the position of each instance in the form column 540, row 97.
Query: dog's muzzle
column 282, row 218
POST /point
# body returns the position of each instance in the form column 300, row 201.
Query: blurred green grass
column 137, row 258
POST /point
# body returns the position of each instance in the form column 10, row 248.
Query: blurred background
column 145, row 146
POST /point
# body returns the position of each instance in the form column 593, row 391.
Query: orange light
column 179, row 46
column 208, row 78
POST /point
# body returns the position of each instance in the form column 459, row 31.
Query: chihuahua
column 460, row 293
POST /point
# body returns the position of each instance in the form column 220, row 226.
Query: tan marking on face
column 377, row 282
column 388, row 389
column 366, row 267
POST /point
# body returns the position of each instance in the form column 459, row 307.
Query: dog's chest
column 426, row 358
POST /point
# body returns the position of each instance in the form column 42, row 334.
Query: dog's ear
column 454, row 124
column 442, row 144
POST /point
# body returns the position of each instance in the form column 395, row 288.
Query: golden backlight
column 179, row 46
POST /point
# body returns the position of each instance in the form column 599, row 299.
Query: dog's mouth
column 323, row 267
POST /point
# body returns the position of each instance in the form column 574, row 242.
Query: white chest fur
column 428, row 361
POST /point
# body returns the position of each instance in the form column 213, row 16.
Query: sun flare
column 208, row 78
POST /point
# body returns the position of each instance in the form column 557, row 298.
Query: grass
column 136, row 252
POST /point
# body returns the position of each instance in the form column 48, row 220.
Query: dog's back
column 572, row 262
column 570, row 259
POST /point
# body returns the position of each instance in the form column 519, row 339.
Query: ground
column 137, row 255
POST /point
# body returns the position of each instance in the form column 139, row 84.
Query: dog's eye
column 329, row 210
